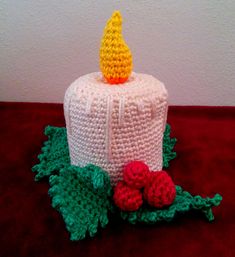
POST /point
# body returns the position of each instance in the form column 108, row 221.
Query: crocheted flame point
column 115, row 55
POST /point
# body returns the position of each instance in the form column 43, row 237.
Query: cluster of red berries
column 139, row 184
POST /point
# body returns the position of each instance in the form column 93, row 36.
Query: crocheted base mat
column 83, row 196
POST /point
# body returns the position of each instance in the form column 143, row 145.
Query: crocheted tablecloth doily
column 83, row 196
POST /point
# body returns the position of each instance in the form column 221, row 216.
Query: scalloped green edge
column 54, row 153
column 55, row 163
column 82, row 196
column 168, row 146
column 184, row 202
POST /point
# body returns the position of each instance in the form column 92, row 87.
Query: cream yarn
column 111, row 125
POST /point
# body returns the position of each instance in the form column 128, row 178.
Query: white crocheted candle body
column 111, row 125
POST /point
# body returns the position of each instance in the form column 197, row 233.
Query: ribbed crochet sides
column 55, row 152
column 110, row 126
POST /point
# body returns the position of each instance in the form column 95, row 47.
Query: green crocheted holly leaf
column 82, row 196
column 55, row 152
column 184, row 202
column 168, row 145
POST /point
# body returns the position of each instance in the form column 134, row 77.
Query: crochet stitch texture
column 55, row 152
column 81, row 195
column 115, row 55
column 107, row 127
column 127, row 198
column 136, row 174
column 168, row 145
column 110, row 126
column 160, row 190
column 183, row 202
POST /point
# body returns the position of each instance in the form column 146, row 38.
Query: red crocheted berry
column 126, row 198
column 135, row 174
column 160, row 190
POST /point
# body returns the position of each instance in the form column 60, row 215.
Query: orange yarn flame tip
column 115, row 55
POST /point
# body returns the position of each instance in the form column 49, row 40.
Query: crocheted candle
column 111, row 122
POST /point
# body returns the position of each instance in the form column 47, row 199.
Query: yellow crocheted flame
column 115, row 55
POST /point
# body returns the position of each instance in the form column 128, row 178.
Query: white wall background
column 188, row 44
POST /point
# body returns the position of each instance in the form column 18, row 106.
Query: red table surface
column 205, row 165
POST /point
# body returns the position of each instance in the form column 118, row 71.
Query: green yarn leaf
column 55, row 152
column 168, row 145
column 184, row 202
column 82, row 196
